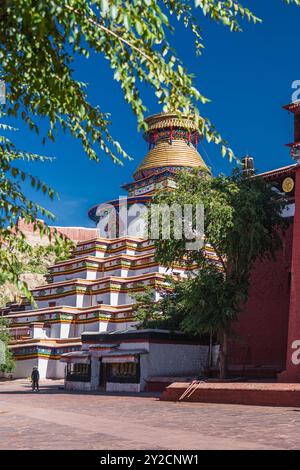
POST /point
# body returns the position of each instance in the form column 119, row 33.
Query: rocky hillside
column 32, row 268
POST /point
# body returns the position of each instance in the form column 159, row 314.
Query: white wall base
column 78, row 386
column 122, row 387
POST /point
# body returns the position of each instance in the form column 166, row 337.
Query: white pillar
column 37, row 330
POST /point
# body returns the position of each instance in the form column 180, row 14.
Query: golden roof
column 179, row 153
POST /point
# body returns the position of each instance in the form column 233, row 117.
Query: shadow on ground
column 59, row 389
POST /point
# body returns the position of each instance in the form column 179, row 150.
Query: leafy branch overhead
column 15, row 205
column 39, row 41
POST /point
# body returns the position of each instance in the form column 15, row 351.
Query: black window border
column 75, row 377
column 127, row 380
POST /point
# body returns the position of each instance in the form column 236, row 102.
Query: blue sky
column 247, row 76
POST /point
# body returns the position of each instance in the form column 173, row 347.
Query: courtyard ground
column 55, row 419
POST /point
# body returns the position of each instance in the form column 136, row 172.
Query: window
column 52, row 304
column 77, row 372
column 124, row 372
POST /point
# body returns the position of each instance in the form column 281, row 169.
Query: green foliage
column 199, row 305
column 39, row 43
column 30, row 259
column 239, row 215
column 243, row 223
column 42, row 256
column 9, row 364
column 14, row 205
column 163, row 313
column 145, row 308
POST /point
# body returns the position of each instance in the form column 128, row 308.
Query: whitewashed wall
column 69, row 300
column 24, row 368
column 173, row 360
column 48, row 369
column 82, row 327
column 55, row 369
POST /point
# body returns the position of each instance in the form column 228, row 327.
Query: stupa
column 92, row 291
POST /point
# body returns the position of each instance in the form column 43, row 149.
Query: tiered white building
column 92, row 291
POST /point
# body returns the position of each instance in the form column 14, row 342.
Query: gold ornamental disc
column 288, row 185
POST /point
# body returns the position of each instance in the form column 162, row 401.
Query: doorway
column 102, row 376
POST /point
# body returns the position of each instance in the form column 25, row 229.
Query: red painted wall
column 263, row 324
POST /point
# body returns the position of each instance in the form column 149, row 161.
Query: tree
column 14, row 205
column 163, row 313
column 7, row 363
column 31, row 268
column 39, row 42
column 202, row 305
column 243, row 223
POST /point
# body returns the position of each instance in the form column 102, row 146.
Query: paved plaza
column 54, row 419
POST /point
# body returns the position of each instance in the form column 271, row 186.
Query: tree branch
column 112, row 33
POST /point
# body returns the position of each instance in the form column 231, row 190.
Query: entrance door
column 102, row 376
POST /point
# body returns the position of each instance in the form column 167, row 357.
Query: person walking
column 35, row 377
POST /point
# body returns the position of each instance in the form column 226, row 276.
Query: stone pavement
column 55, row 419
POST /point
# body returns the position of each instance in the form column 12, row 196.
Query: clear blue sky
column 247, row 76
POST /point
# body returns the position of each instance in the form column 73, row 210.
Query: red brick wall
column 79, row 234
column 263, row 324
column 76, row 234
